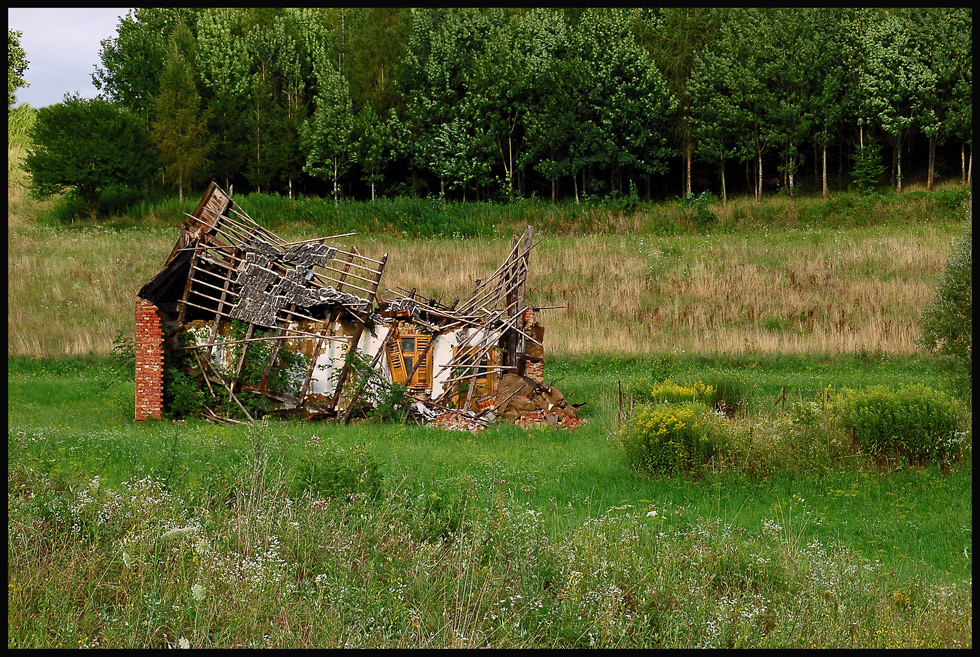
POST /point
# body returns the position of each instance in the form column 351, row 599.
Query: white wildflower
column 198, row 591
column 179, row 532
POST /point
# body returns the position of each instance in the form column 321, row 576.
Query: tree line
column 560, row 103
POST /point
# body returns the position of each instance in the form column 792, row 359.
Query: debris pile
column 451, row 418
column 528, row 402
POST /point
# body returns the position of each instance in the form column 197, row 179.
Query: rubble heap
column 527, row 401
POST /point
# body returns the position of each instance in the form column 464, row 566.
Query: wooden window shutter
column 423, row 375
column 395, row 362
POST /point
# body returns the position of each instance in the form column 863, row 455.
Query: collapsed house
column 241, row 323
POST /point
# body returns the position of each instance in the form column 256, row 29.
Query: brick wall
column 533, row 354
column 149, row 362
column 535, row 370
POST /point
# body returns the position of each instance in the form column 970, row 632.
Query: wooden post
column 342, row 377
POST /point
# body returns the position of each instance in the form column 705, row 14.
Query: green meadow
column 380, row 535
column 288, row 534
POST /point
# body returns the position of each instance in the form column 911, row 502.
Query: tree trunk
column 894, row 182
column 963, row 162
column 687, row 157
column 510, row 169
column 575, row 184
column 790, row 168
column 826, row 193
column 932, row 162
column 724, row 193
column 758, row 191
column 898, row 163
column 969, row 170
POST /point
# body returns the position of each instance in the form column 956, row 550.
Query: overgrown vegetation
column 914, row 423
column 675, row 428
column 161, row 534
column 947, row 323
column 81, row 147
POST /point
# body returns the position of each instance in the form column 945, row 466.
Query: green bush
column 182, row 394
column 947, row 324
column 729, row 391
column 867, row 168
column 669, row 392
column 702, row 215
column 913, row 422
column 671, row 438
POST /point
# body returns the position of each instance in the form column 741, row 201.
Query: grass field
column 284, row 534
column 140, row 534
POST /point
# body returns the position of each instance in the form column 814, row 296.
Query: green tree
column 788, row 65
column 326, row 135
column 944, row 35
column 947, row 323
column 84, row 146
column 439, row 87
column 743, row 44
column 715, row 120
column 179, row 128
column 827, row 76
column 376, row 144
column 131, row 62
column 543, row 35
column 675, row 38
column 379, row 38
column 223, row 63
column 16, row 65
column 291, row 72
column 895, row 82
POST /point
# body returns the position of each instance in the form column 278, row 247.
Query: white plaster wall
column 331, row 359
column 443, row 348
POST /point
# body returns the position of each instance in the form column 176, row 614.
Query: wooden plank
column 241, row 361
column 230, row 392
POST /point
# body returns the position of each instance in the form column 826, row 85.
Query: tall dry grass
column 817, row 291
column 813, row 290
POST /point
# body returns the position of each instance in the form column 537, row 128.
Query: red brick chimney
column 149, row 362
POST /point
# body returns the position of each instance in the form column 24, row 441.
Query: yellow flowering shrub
column 671, row 438
column 669, row 392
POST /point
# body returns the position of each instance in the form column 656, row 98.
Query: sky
column 62, row 47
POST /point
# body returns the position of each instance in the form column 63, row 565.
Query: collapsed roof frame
column 225, row 267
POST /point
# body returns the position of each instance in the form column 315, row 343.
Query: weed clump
column 671, row 438
column 913, row 422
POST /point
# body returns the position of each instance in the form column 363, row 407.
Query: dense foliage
column 561, row 103
column 85, row 147
column 670, row 438
column 913, row 422
column 947, row 323
column 16, row 65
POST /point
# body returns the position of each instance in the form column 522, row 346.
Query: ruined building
column 240, row 323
